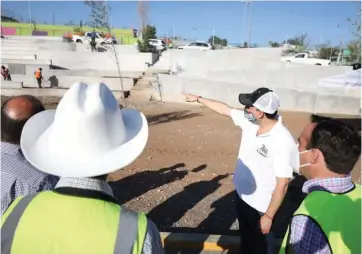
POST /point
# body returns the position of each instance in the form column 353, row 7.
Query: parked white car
column 88, row 37
column 203, row 46
column 303, row 58
column 158, row 44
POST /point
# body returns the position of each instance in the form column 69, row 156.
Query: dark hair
column 339, row 143
column 2, row 67
column 11, row 128
column 271, row 116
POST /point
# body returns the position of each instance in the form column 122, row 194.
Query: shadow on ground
column 167, row 217
column 171, row 116
column 136, row 185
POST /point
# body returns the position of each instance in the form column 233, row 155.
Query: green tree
column 274, row 44
column 98, row 17
column 355, row 45
column 328, row 52
column 299, row 41
column 245, row 44
column 149, row 32
column 69, row 23
column 217, row 41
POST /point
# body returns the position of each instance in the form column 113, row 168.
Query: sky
column 270, row 20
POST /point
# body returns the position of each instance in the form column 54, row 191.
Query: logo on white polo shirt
column 263, row 151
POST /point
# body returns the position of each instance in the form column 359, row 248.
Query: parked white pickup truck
column 88, row 36
column 303, row 58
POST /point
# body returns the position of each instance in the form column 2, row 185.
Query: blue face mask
column 249, row 116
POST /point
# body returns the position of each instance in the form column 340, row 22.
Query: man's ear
column 317, row 155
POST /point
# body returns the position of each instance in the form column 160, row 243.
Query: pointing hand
column 190, row 97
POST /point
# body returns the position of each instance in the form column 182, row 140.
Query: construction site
column 182, row 180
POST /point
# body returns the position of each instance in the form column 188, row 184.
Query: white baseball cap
column 262, row 98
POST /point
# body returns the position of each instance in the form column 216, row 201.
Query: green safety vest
column 63, row 222
column 338, row 216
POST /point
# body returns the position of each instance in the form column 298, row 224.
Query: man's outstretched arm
column 214, row 105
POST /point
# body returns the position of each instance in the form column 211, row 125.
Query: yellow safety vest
column 53, row 222
column 338, row 216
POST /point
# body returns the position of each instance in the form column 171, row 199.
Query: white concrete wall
column 11, row 85
column 66, row 81
column 33, row 38
column 337, row 101
column 27, row 61
column 18, row 56
column 78, row 56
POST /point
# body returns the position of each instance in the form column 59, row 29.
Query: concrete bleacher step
column 8, row 55
column 11, row 85
column 114, row 84
column 43, row 92
column 26, row 61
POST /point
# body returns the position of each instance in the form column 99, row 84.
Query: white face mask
column 298, row 166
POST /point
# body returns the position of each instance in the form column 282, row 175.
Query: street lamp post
column 249, row 38
column 244, row 21
column 29, row 9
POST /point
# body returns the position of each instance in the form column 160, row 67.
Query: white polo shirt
column 261, row 159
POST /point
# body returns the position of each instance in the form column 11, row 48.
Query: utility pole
column 53, row 19
column 213, row 37
column 244, row 22
column 249, row 37
column 29, row 9
column 174, row 31
column 142, row 12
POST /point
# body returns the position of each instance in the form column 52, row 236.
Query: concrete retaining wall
column 25, row 69
column 11, row 85
column 78, row 56
column 27, row 61
column 33, row 38
column 66, row 81
column 93, row 61
column 316, row 101
column 94, row 73
column 12, row 45
column 18, row 56
column 285, row 75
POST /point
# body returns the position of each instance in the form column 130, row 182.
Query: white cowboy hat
column 87, row 135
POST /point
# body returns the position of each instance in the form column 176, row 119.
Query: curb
column 205, row 242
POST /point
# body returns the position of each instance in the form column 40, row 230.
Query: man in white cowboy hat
column 84, row 139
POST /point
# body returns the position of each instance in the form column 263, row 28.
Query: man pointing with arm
column 264, row 166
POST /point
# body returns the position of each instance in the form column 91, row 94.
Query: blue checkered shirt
column 305, row 235
column 19, row 177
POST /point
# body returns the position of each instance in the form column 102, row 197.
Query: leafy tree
column 274, row 44
column 98, row 17
column 218, row 41
column 149, row 32
column 245, row 44
column 355, row 48
column 327, row 52
column 69, row 23
column 299, row 40
column 355, row 45
column 81, row 24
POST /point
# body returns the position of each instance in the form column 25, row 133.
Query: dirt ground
column 183, row 179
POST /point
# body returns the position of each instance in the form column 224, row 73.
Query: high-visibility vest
column 37, row 74
column 50, row 222
column 338, row 216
